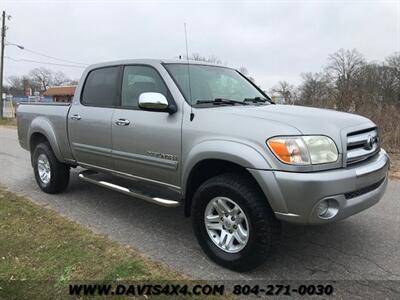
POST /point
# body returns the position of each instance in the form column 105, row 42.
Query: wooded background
column 349, row 83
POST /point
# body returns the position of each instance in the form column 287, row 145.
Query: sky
column 274, row 40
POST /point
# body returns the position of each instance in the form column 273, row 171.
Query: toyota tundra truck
column 205, row 137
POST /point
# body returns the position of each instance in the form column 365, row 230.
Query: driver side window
column 137, row 80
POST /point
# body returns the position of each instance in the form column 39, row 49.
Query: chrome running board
column 88, row 176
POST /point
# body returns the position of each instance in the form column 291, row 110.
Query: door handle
column 76, row 117
column 122, row 122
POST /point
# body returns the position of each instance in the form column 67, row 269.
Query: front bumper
column 295, row 196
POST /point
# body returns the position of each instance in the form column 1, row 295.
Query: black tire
column 264, row 228
column 59, row 178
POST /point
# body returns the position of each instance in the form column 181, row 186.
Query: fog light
column 322, row 208
column 327, row 208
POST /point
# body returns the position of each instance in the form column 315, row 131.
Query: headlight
column 304, row 150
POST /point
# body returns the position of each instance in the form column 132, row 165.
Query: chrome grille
column 361, row 145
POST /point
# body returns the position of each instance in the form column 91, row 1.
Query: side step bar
column 86, row 176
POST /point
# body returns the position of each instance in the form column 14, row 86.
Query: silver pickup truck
column 206, row 138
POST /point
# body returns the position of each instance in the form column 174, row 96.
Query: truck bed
column 47, row 119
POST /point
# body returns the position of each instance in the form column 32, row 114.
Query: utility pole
column 3, row 35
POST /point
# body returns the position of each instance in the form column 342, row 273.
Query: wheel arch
column 42, row 131
column 212, row 158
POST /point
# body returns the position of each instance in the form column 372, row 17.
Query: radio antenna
column 188, row 71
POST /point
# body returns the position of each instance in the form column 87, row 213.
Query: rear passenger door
column 89, row 121
column 148, row 144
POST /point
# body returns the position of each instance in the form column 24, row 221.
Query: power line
column 43, row 62
column 55, row 58
column 49, row 56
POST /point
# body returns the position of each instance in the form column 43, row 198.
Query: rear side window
column 138, row 80
column 101, row 87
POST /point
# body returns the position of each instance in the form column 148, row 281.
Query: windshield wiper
column 218, row 101
column 257, row 100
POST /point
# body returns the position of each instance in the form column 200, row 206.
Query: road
column 365, row 246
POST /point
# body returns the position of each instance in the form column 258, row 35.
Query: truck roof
column 152, row 62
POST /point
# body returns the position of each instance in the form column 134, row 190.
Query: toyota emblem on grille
column 371, row 140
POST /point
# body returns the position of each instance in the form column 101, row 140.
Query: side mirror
column 153, row 101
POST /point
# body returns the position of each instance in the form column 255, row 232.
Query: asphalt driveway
column 365, row 246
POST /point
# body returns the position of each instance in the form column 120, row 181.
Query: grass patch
column 37, row 245
column 9, row 122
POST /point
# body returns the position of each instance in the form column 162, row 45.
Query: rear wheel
column 51, row 175
column 233, row 222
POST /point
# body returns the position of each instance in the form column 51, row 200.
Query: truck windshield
column 212, row 85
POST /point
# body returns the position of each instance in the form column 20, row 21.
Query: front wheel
column 233, row 222
column 51, row 175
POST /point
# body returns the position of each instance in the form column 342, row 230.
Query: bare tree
column 252, row 79
column 15, row 84
column 38, row 79
column 344, row 68
column 349, row 83
column 211, row 59
column 393, row 62
column 214, row 60
column 378, row 84
column 316, row 90
column 285, row 91
column 243, row 70
column 73, row 82
column 59, row 78
column 43, row 77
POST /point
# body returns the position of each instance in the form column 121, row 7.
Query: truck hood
column 307, row 120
